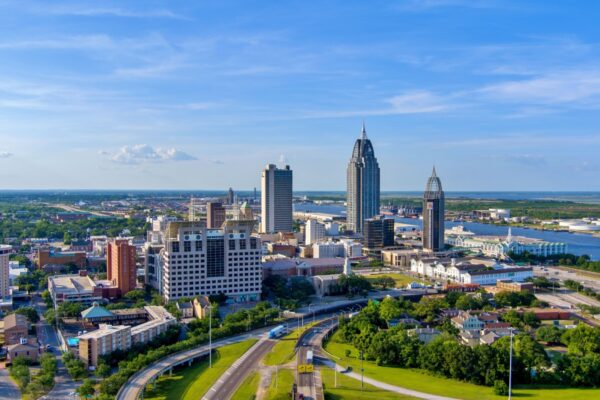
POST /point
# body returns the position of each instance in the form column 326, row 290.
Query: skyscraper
column 433, row 214
column 276, row 199
column 215, row 215
column 230, row 196
column 120, row 265
column 362, row 184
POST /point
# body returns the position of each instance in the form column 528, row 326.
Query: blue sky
column 499, row 95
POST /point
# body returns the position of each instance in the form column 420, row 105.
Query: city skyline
column 125, row 96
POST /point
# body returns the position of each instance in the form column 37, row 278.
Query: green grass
column 284, row 385
column 400, row 279
column 248, row 388
column 283, row 351
column 191, row 383
column 348, row 388
column 422, row 381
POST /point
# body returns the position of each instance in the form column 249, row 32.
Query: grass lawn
column 400, row 279
column 248, row 388
column 348, row 388
column 191, row 383
column 283, row 351
column 422, row 381
column 285, row 381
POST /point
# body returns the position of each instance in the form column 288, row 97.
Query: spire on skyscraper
column 363, row 132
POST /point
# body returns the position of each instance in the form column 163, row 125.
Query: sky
column 498, row 95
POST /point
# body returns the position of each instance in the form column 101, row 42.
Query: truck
column 309, row 357
column 277, row 332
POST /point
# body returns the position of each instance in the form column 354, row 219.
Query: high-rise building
column 379, row 232
column 433, row 214
column 120, row 265
column 5, row 251
column 201, row 261
column 215, row 215
column 362, row 184
column 314, row 231
column 276, row 193
column 373, row 233
column 230, row 196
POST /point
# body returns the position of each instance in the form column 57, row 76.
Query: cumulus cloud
column 143, row 153
column 5, row 154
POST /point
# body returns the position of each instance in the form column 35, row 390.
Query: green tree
column 389, row 309
column 86, row 389
column 30, row 313
column 549, row 334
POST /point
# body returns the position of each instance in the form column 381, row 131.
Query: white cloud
column 5, row 154
column 143, row 153
column 534, row 160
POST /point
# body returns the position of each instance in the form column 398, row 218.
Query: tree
column 582, row 340
column 67, row 238
column 135, row 295
column 86, row 389
column 549, row 334
column 103, row 370
column 500, row 388
column 30, row 313
column 19, row 371
column 384, row 282
column 389, row 309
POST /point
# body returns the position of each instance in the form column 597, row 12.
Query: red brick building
column 120, row 265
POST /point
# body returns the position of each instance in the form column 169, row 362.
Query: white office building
column 199, row 261
column 314, row 232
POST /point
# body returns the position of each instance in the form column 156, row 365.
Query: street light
column 313, row 312
column 510, row 365
column 210, row 336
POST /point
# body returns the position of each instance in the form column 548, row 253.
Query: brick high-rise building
column 120, row 265
column 5, row 251
column 215, row 215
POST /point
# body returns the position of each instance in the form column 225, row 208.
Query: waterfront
column 578, row 244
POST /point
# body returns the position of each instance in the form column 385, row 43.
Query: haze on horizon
column 499, row 95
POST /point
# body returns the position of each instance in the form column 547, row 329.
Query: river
column 577, row 243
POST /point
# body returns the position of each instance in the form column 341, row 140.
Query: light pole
column 313, row 311
column 510, row 366
column 362, row 372
column 210, row 336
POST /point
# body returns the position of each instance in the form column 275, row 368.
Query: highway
column 226, row 386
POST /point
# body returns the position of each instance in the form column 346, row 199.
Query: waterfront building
column 433, row 214
column 501, row 246
column 276, row 193
column 5, row 251
column 314, row 231
column 200, row 261
column 120, row 265
column 363, row 195
column 215, row 215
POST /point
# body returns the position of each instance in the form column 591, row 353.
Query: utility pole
column 510, row 366
column 210, row 336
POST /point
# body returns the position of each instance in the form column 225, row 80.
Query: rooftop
column 71, row 284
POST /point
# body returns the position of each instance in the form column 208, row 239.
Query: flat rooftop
column 72, row 284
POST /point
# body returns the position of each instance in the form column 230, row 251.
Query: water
column 577, row 243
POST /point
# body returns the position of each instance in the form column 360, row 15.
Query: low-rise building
column 186, row 308
column 16, row 327
column 201, row 306
column 159, row 321
column 467, row 322
column 103, row 341
column 73, row 288
column 424, row 335
column 46, row 256
column 23, row 349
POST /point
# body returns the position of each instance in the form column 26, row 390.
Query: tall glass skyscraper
column 433, row 214
column 362, row 184
column 276, row 193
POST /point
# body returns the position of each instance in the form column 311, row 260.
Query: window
column 187, row 246
column 231, row 244
column 242, row 244
column 175, row 247
column 198, row 245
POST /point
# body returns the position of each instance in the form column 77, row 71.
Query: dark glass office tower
column 433, row 214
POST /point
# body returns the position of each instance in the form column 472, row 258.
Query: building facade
column 314, row 231
column 433, row 214
column 363, row 193
column 200, row 261
column 215, row 215
column 120, row 265
column 103, row 341
column 5, row 251
column 276, row 197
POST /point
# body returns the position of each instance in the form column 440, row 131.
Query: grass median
column 283, row 351
column 285, row 381
column 248, row 388
column 348, row 388
column 422, row 381
column 192, row 382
